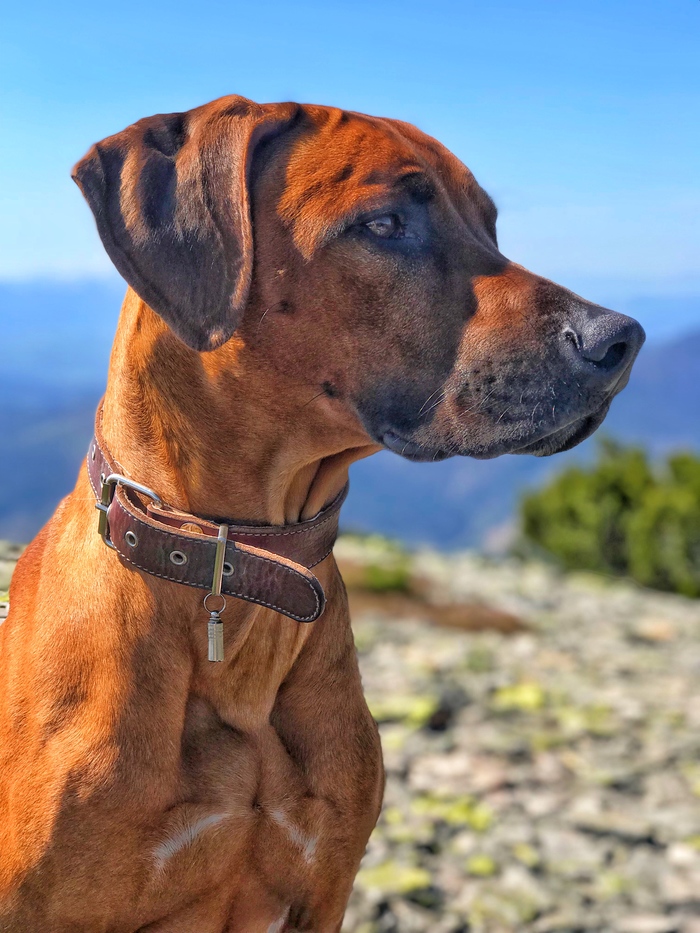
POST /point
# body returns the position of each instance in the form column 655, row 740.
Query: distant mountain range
column 54, row 351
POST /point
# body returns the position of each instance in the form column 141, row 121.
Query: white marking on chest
column 300, row 839
column 185, row 837
column 279, row 923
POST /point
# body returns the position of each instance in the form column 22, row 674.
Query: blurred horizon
column 574, row 117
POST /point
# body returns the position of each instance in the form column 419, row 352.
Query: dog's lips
column 556, row 441
column 564, row 438
column 411, row 450
column 545, row 444
column 430, row 443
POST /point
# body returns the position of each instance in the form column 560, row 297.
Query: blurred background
column 581, row 120
column 536, row 695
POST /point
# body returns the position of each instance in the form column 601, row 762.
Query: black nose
column 605, row 342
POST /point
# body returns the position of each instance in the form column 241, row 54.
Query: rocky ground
column 547, row 780
column 543, row 770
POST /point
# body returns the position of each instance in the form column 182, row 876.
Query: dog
column 306, row 286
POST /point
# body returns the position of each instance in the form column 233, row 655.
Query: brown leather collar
column 268, row 565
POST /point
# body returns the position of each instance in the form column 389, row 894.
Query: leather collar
column 268, row 565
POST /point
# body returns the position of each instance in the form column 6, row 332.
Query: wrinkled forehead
column 344, row 165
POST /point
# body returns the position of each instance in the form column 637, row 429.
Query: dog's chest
column 247, row 821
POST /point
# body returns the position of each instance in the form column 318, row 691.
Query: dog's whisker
column 264, row 314
column 313, row 399
column 436, row 403
column 432, row 394
column 478, row 406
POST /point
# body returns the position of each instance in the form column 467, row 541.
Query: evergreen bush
column 622, row 516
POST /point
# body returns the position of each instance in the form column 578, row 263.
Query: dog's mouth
column 414, row 451
column 542, row 445
column 564, row 438
column 455, row 430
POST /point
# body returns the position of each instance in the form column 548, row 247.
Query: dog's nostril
column 613, row 357
column 605, row 357
column 605, row 340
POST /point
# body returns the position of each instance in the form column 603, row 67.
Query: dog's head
column 357, row 260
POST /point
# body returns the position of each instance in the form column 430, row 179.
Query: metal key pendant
column 215, row 629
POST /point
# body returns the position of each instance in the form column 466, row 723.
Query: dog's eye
column 388, row 225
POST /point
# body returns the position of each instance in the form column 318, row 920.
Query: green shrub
column 386, row 565
column 664, row 540
column 388, row 578
column 622, row 516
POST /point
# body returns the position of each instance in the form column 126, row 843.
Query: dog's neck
column 215, row 434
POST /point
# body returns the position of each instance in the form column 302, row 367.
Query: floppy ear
column 171, row 201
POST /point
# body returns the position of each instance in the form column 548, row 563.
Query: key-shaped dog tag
column 216, row 637
column 215, row 628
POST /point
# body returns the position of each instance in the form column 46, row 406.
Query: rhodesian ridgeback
column 306, row 286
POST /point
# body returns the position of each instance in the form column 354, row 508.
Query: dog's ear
column 171, row 201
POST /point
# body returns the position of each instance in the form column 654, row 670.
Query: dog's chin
column 543, row 445
column 565, row 438
column 546, row 444
column 414, row 451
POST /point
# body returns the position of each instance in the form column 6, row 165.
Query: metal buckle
column 109, row 485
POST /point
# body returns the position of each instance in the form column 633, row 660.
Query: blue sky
column 581, row 118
